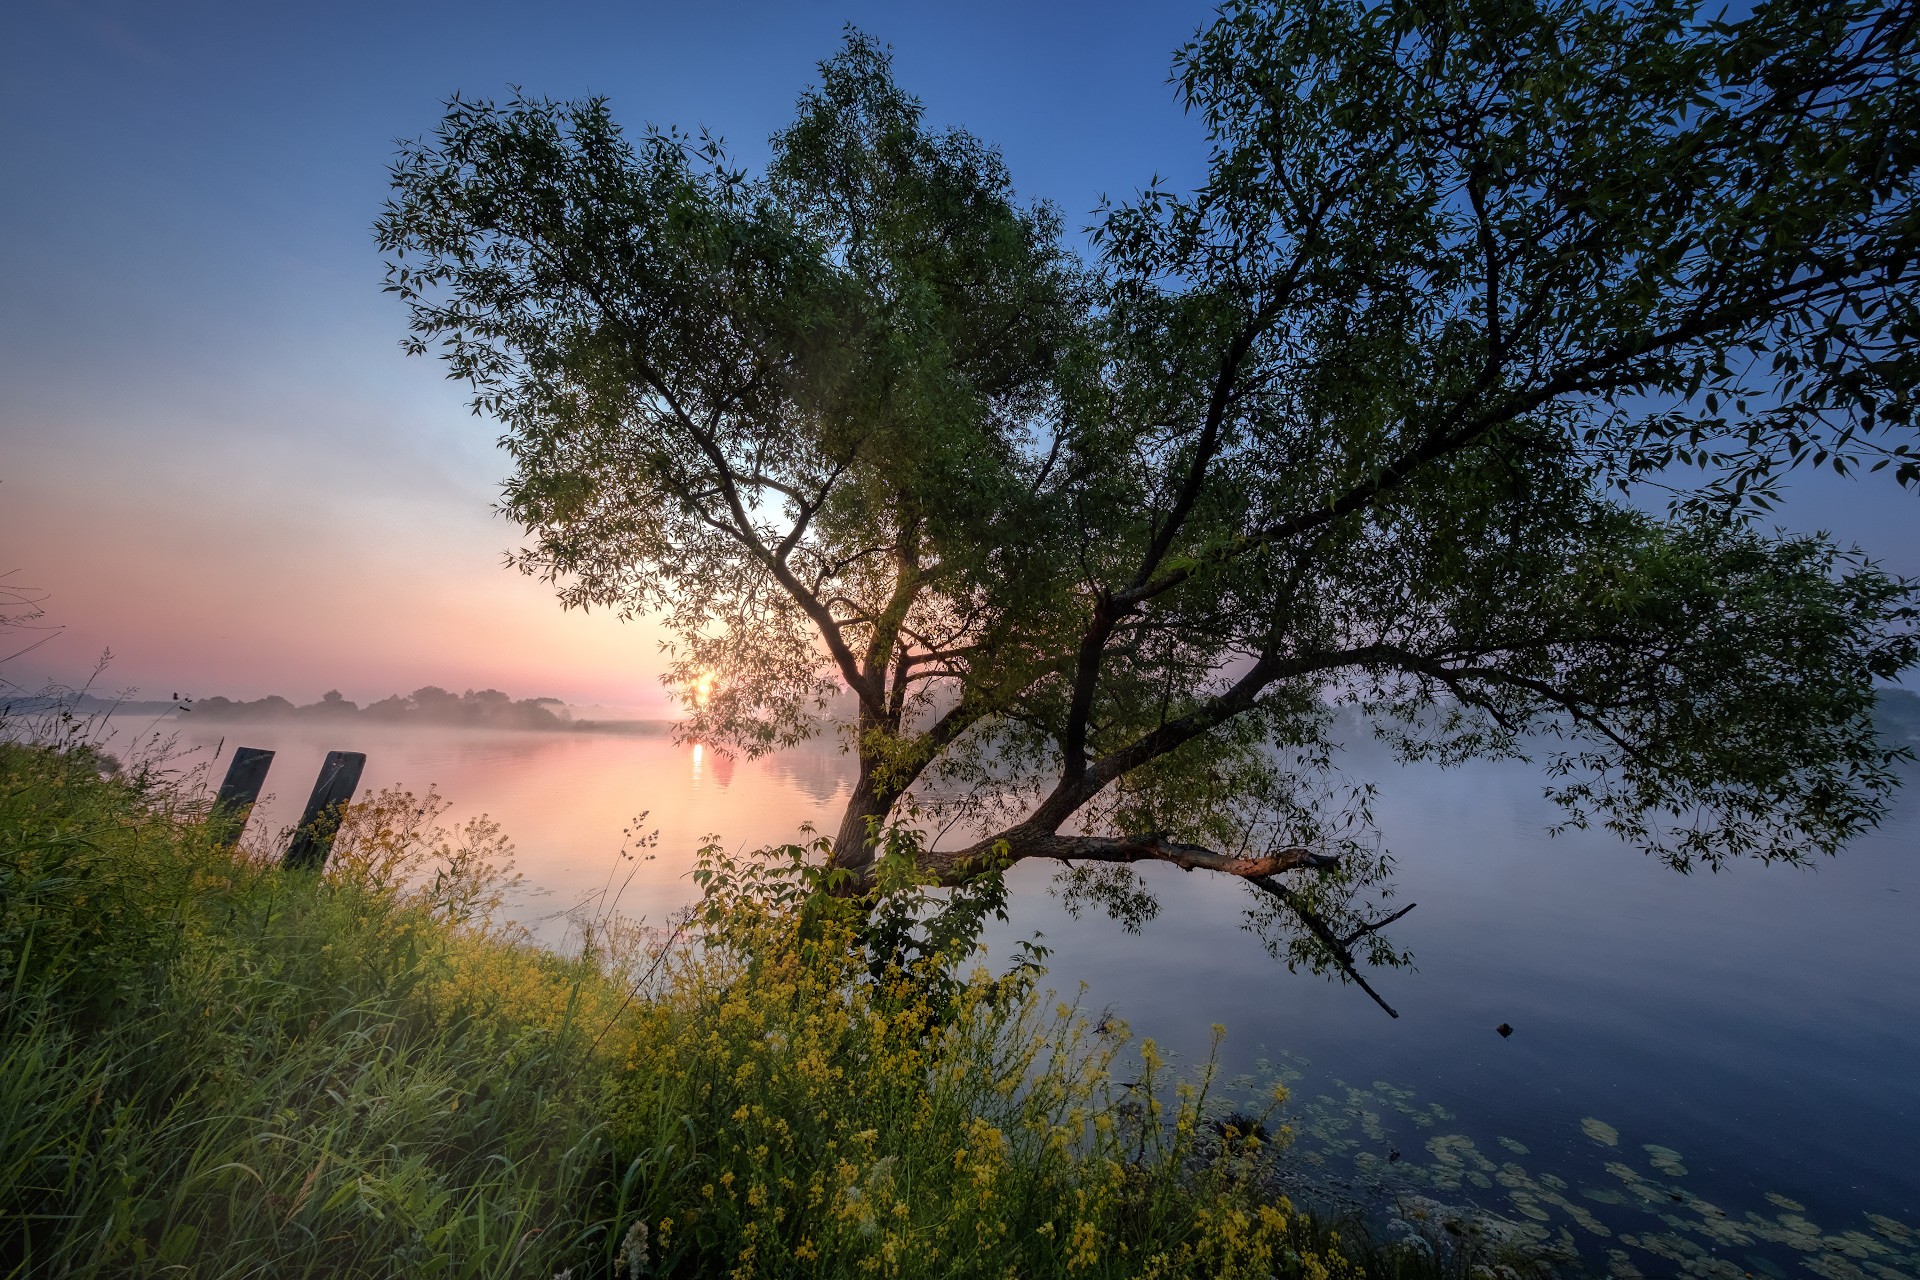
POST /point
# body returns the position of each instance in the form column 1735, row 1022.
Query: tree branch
column 1156, row 847
column 1323, row 933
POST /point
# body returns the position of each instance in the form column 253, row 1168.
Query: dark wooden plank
column 246, row 774
column 313, row 838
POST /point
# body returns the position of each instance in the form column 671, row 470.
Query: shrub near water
column 210, row 1066
column 861, row 1109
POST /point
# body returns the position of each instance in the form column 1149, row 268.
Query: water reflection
column 566, row 799
column 709, row 762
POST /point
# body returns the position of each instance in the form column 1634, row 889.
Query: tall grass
column 211, row 1066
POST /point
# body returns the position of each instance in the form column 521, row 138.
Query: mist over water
column 1762, row 1022
column 571, row 802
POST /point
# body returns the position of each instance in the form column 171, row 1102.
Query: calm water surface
column 1759, row 1027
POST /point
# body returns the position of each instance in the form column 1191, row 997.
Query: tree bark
column 867, row 807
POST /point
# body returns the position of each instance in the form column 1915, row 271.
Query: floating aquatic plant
column 1600, row 1131
column 1625, row 1215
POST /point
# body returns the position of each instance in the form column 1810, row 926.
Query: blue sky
column 212, row 452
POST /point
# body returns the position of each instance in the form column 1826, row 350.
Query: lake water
column 1709, row 1074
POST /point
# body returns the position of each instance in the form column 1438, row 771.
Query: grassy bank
column 210, row 1066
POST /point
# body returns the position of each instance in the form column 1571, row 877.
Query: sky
column 213, row 455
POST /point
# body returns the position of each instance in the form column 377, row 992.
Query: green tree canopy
column 1086, row 553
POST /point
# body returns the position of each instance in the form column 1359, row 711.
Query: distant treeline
column 430, row 704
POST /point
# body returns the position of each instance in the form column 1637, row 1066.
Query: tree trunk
column 853, row 846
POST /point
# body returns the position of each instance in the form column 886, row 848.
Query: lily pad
column 1888, row 1273
column 1665, row 1159
column 1857, row 1244
column 1888, row 1227
column 1834, row 1267
column 1620, row 1266
column 1600, row 1131
column 1527, row 1205
column 1798, row 1225
column 1588, row 1223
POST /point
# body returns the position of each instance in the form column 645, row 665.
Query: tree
column 1094, row 550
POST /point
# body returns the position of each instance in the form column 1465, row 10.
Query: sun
column 703, row 688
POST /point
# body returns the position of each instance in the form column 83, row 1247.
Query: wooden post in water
column 246, row 774
column 313, row 838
